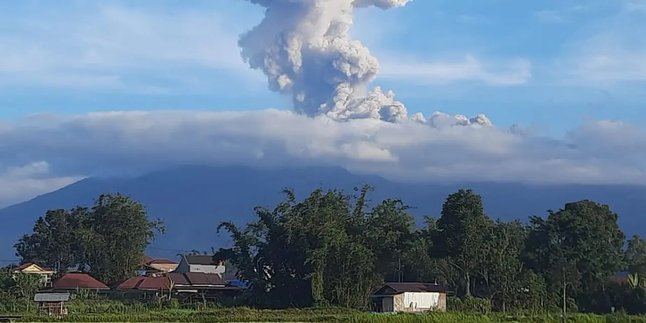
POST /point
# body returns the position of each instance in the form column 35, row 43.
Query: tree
column 328, row 249
column 109, row 239
column 505, row 267
column 461, row 237
column 388, row 232
column 635, row 256
column 577, row 249
column 51, row 242
column 121, row 232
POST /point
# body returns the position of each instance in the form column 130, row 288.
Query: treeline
column 107, row 240
column 334, row 248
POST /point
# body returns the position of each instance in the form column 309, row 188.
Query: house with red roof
column 78, row 281
column 184, row 286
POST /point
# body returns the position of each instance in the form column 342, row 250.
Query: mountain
column 193, row 200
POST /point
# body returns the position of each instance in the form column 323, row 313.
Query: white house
column 410, row 297
column 200, row 264
column 33, row 269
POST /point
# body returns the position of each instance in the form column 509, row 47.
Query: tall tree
column 505, row 268
column 462, row 228
column 323, row 250
column 51, row 242
column 635, row 256
column 388, row 232
column 577, row 249
column 120, row 232
column 109, row 239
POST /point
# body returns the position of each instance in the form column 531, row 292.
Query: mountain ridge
column 193, row 199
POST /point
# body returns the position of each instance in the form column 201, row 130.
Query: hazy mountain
column 193, row 200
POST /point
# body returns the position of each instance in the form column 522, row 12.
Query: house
column 52, row 303
column 185, row 286
column 78, row 281
column 410, row 297
column 150, row 266
column 34, row 269
column 200, row 264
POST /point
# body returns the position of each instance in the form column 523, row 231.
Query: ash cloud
column 305, row 50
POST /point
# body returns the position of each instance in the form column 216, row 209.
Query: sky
column 117, row 87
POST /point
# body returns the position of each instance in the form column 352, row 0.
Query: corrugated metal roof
column 180, row 280
column 397, row 288
column 51, row 297
column 200, row 260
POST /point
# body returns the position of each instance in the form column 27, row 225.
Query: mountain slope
column 193, row 200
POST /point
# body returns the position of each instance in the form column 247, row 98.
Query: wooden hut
column 52, row 304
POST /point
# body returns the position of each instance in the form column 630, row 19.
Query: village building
column 52, row 304
column 34, row 269
column 72, row 282
column 410, row 297
column 151, row 266
column 184, row 286
column 200, row 264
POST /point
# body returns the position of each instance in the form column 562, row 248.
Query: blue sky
column 545, row 64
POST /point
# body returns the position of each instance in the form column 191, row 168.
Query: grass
column 243, row 314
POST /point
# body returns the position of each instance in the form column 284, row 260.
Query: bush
column 469, row 305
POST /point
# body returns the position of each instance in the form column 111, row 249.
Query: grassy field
column 316, row 315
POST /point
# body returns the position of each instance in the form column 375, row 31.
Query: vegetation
column 109, row 238
column 333, row 249
column 245, row 314
column 320, row 258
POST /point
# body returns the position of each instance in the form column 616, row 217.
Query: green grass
column 318, row 315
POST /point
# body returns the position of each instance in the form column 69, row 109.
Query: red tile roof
column 187, row 280
column 131, row 283
column 72, row 281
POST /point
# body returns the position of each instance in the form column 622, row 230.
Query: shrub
column 469, row 305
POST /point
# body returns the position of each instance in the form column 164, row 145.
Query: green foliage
column 635, row 256
column 109, row 238
column 335, row 249
column 328, row 249
column 577, row 249
column 469, row 305
column 243, row 314
column 462, row 235
column 17, row 291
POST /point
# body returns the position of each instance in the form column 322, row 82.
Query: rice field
column 318, row 315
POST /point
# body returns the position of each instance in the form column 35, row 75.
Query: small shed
column 52, row 303
column 410, row 297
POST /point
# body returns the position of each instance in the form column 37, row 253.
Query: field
column 313, row 315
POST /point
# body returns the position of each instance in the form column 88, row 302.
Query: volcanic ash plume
column 304, row 48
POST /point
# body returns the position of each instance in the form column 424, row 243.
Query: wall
column 209, row 269
column 421, row 302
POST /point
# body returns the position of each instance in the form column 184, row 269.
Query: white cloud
column 470, row 68
column 20, row 182
column 600, row 152
column 608, row 51
column 105, row 48
column 637, row 6
column 561, row 15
